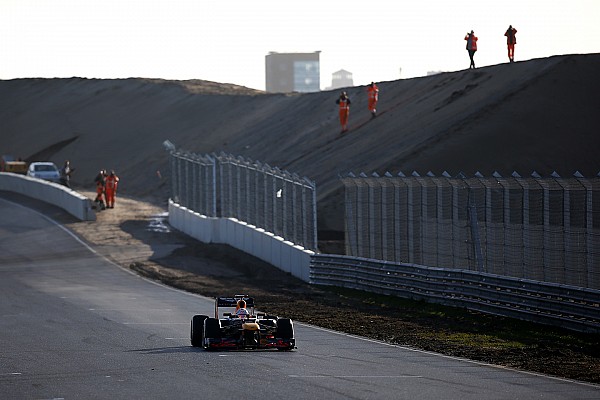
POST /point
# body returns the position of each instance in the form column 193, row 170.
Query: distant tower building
column 340, row 79
column 292, row 72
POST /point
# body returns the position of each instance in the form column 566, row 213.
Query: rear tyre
column 271, row 323
column 285, row 332
column 285, row 328
column 197, row 330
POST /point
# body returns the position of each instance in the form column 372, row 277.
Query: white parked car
column 44, row 170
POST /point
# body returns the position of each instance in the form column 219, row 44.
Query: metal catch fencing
column 544, row 229
column 227, row 186
column 193, row 182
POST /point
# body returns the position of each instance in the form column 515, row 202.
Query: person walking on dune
column 511, row 40
column 344, row 102
column 471, row 47
column 373, row 92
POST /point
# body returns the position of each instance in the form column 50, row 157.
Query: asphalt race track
column 75, row 326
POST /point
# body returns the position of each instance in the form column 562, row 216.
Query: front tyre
column 212, row 328
column 197, row 330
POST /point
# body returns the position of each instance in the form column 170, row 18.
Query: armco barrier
column 550, row 303
column 247, row 238
column 69, row 200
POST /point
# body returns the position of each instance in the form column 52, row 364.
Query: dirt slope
column 536, row 115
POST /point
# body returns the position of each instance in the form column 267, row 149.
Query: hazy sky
column 227, row 40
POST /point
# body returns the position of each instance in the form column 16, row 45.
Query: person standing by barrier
column 112, row 181
column 471, row 47
column 511, row 40
column 65, row 174
column 373, row 92
column 100, row 181
column 344, row 102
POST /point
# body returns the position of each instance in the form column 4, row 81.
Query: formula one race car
column 243, row 331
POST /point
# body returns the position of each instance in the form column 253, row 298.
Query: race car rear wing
column 232, row 301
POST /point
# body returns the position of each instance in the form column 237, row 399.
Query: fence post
column 428, row 234
column 513, row 226
column 196, row 203
column 282, row 195
column 188, row 189
column 314, row 212
column 273, row 196
column 553, row 224
column 463, row 256
column 592, row 198
column 174, row 178
column 213, row 188
column 444, row 220
column 387, row 207
column 267, row 199
column 474, row 223
column 374, row 217
column 401, row 253
column 574, row 231
column 415, row 196
column 294, row 213
column 361, row 229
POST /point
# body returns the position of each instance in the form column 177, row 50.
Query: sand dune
column 540, row 115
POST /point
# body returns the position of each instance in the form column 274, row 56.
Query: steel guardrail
column 548, row 303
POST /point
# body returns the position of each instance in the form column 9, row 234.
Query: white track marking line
column 357, row 376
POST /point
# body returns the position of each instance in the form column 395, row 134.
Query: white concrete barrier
column 247, row 238
column 69, row 200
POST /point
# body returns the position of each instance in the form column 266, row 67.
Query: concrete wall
column 53, row 193
column 247, row 238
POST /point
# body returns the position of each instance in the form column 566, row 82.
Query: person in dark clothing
column 471, row 47
column 100, row 181
column 511, row 40
column 65, row 174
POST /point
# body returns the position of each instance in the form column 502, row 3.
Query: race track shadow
column 166, row 350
